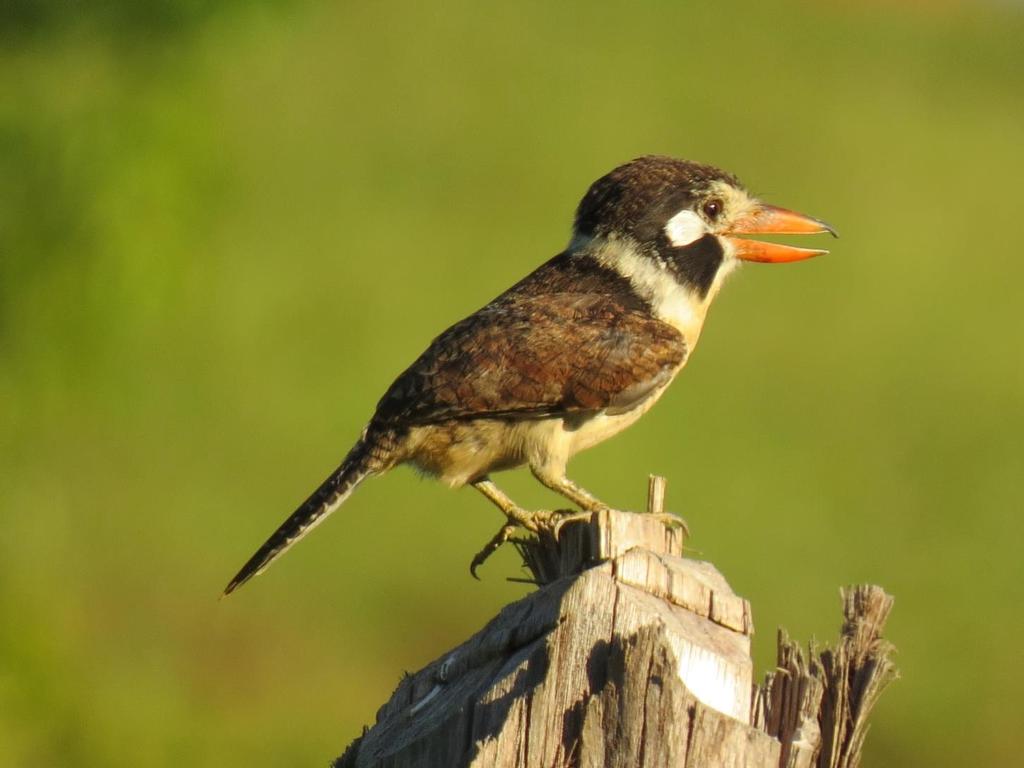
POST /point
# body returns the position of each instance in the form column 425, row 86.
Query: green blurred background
column 224, row 229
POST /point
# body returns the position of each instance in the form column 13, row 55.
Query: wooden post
column 631, row 655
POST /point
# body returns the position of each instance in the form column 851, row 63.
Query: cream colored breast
column 601, row 426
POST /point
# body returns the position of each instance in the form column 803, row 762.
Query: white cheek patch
column 684, row 228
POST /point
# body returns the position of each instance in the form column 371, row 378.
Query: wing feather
column 559, row 353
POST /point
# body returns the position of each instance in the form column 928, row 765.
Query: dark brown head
column 638, row 198
column 684, row 215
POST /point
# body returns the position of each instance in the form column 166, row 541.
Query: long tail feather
column 358, row 465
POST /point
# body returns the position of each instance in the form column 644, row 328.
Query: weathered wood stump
column 631, row 655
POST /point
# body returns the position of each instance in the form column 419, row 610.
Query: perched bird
column 570, row 355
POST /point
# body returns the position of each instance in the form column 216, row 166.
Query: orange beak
column 771, row 220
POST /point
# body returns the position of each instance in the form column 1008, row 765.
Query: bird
column 570, row 355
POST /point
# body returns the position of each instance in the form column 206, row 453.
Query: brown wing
column 530, row 357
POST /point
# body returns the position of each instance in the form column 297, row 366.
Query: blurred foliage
column 225, row 227
column 118, row 20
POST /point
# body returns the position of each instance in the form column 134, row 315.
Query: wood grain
column 642, row 658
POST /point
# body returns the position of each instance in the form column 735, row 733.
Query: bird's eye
column 712, row 208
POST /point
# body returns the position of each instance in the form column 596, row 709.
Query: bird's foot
column 503, row 535
column 555, row 520
column 669, row 520
column 675, row 522
column 540, row 522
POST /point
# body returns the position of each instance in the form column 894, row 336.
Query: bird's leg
column 558, row 482
column 503, row 535
column 536, row 521
column 531, row 521
column 516, row 516
column 583, row 498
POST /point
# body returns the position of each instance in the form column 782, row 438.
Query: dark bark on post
column 631, row 655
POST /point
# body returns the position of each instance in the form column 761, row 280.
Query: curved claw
column 671, row 521
column 562, row 517
column 538, row 522
column 492, row 546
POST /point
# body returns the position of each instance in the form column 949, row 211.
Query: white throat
column 671, row 301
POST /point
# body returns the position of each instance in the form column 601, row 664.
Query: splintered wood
column 817, row 704
column 637, row 658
